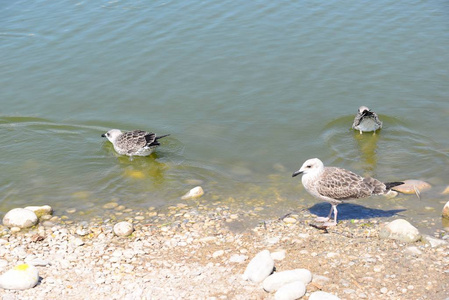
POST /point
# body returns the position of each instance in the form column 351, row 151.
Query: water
column 248, row 91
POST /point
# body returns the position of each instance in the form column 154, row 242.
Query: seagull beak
column 299, row 172
column 103, row 135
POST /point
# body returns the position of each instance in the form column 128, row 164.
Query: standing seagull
column 136, row 142
column 366, row 120
column 335, row 185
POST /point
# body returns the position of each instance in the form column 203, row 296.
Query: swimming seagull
column 136, row 142
column 366, row 120
column 336, row 185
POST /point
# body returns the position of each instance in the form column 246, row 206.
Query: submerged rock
column 291, row 291
column 20, row 277
column 445, row 213
column 410, row 186
column 260, row 267
column 20, row 217
column 41, row 210
column 123, row 228
column 400, row 230
column 277, row 280
column 196, row 192
column 433, row 242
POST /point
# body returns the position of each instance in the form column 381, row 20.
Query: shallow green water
column 247, row 90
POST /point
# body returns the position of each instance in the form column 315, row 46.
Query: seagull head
column 112, row 134
column 310, row 166
column 364, row 111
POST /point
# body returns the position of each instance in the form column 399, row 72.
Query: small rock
column 276, row 280
column 20, row 277
column 433, row 242
column 38, row 262
column 445, row 213
column 217, row 253
column 291, row 291
column 322, row 296
column 409, row 186
column 260, row 267
column 320, row 281
column 238, row 258
column 123, row 228
column 41, row 210
column 400, row 230
column 278, row 255
column 446, row 191
column 413, row 251
column 193, row 193
column 289, row 220
column 20, row 217
column 82, row 232
column 110, row 205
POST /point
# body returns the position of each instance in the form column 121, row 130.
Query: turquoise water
column 248, row 91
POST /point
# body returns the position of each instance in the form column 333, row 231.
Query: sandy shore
column 197, row 256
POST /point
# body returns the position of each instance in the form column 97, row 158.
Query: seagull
column 336, row 185
column 136, row 142
column 366, row 120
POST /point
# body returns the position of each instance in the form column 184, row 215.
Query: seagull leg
column 322, row 219
column 334, row 223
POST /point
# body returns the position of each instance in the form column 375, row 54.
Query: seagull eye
column 309, row 166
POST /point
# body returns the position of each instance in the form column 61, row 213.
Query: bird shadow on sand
column 349, row 211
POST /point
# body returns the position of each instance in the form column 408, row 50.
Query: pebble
column 196, row 192
column 278, row 255
column 433, row 242
column 446, row 191
column 413, row 251
column 445, row 213
column 123, row 228
column 278, row 279
column 41, row 210
column 320, row 281
column 20, row 217
column 320, row 295
column 21, row 277
column 260, row 267
column 238, row 258
column 289, row 220
column 218, row 253
column 291, row 291
column 400, row 230
column 409, row 186
column 110, row 205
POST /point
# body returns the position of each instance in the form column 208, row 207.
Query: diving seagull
column 336, row 185
column 133, row 143
column 366, row 120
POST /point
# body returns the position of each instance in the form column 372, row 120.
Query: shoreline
column 198, row 256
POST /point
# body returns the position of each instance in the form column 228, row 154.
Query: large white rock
column 319, row 295
column 260, row 267
column 400, row 230
column 20, row 277
column 20, row 217
column 41, row 210
column 123, row 228
column 291, row 291
column 277, row 280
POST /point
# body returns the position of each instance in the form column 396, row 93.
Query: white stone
column 217, row 253
column 413, row 251
column 400, row 230
column 260, row 267
column 21, row 277
column 445, row 213
column 291, row 291
column 123, row 228
column 319, row 295
column 278, row 255
column 41, row 210
column 194, row 193
column 238, row 258
column 433, row 242
column 19, row 217
column 276, row 280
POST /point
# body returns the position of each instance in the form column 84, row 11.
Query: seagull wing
column 341, row 184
